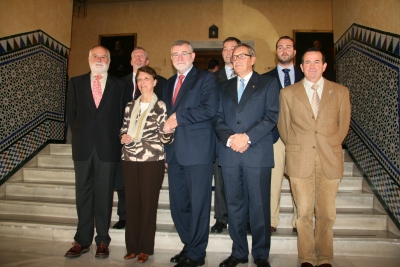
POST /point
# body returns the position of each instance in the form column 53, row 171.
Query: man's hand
column 239, row 142
column 170, row 124
column 126, row 139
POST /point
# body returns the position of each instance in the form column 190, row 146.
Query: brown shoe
column 76, row 250
column 306, row 264
column 142, row 258
column 273, row 229
column 102, row 251
column 130, row 256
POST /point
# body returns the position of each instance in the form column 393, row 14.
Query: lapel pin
column 254, row 86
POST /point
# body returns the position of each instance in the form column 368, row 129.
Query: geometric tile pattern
column 368, row 63
column 32, row 96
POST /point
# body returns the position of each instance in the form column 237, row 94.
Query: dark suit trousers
column 94, row 184
column 143, row 181
column 190, row 203
column 119, row 187
column 247, row 192
column 220, row 212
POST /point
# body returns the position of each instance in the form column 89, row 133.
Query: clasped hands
column 126, row 139
column 170, row 124
column 239, row 142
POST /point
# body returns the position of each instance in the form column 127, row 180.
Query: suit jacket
column 220, row 76
column 298, row 76
column 158, row 90
column 93, row 126
column 303, row 135
column 195, row 107
column 256, row 115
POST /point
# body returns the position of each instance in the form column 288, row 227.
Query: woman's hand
column 126, row 139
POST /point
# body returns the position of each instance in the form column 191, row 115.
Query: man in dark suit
column 95, row 107
column 139, row 58
column 191, row 100
column 247, row 113
column 220, row 211
column 287, row 74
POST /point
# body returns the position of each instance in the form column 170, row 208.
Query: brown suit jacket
column 303, row 135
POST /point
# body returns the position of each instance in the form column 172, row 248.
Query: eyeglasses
column 183, row 54
column 241, row 56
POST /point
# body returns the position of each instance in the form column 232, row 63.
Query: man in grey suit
column 95, row 106
column 287, row 74
column 247, row 113
column 220, row 211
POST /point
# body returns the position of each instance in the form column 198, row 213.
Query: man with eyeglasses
column 247, row 113
column 139, row 58
column 191, row 100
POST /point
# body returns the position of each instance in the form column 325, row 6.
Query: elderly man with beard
column 95, row 109
column 287, row 74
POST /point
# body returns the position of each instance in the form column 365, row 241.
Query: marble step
column 42, row 191
column 283, row 241
column 347, row 218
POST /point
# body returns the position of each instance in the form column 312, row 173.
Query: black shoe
column 120, row 224
column 294, row 230
column 248, row 228
column 188, row 262
column 218, row 227
column 262, row 263
column 232, row 262
column 178, row 257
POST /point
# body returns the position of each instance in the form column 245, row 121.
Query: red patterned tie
column 96, row 90
column 178, row 86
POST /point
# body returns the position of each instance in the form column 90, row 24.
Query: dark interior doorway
column 204, row 56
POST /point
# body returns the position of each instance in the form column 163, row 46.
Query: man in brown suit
column 313, row 121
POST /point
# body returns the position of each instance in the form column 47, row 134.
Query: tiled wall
column 368, row 63
column 33, row 70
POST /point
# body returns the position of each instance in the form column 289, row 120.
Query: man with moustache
column 287, row 74
column 191, row 100
column 220, row 211
column 313, row 121
column 95, row 107
column 247, row 113
column 139, row 58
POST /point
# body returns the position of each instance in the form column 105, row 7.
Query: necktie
column 286, row 80
column 315, row 100
column 241, row 89
column 177, row 88
column 233, row 75
column 96, row 90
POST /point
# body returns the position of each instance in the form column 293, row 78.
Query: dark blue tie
column 286, row 80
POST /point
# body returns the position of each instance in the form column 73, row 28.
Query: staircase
column 39, row 203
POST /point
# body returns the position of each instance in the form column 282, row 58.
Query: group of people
column 243, row 128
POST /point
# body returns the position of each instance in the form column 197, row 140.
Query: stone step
column 67, row 175
column 60, row 149
column 45, row 210
column 61, row 190
column 346, row 242
column 54, row 161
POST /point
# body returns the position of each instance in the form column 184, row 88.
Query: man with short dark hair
column 191, row 100
column 287, row 74
column 313, row 121
column 247, row 113
column 95, row 109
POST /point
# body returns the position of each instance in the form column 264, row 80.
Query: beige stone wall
column 158, row 23
column 52, row 16
column 381, row 15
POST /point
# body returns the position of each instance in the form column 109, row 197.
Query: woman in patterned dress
column 143, row 164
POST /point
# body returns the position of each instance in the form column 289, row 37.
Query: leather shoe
column 178, row 257
column 76, row 250
column 294, row 230
column 188, row 262
column 232, row 262
column 130, row 256
column 120, row 224
column 262, row 263
column 273, row 229
column 218, row 227
column 102, row 251
column 306, row 264
column 142, row 258
column 325, row 265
